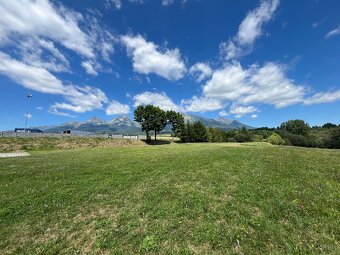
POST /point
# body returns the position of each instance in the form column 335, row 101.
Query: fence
column 22, row 134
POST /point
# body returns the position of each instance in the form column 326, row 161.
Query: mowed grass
column 172, row 199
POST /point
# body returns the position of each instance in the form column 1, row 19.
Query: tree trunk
column 155, row 135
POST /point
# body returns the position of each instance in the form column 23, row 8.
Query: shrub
column 275, row 139
column 242, row 138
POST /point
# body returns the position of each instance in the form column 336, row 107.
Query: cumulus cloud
column 250, row 29
column 117, row 108
column 228, row 83
column 201, row 104
column 158, row 99
column 267, row 84
column 253, row 116
column 334, row 32
column 40, row 31
column 200, row 71
column 148, row 58
column 242, row 110
column 270, row 85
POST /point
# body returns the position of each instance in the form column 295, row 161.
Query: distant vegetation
column 292, row 132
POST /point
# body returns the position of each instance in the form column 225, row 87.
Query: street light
column 29, row 95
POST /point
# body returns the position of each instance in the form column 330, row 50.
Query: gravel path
column 14, row 154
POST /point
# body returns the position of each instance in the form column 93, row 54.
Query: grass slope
column 12, row 144
column 172, row 199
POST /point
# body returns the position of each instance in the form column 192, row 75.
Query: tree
column 296, row 127
column 275, row 139
column 200, row 133
column 335, row 138
column 329, row 125
column 177, row 122
column 151, row 118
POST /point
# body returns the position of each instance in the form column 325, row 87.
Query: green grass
column 172, row 199
column 10, row 144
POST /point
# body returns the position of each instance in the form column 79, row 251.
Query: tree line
column 292, row 132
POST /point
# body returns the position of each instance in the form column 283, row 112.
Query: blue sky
column 261, row 62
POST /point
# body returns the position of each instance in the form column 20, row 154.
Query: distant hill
column 124, row 125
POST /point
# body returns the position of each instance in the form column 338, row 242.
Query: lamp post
column 29, row 95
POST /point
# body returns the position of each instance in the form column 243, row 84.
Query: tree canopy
column 153, row 118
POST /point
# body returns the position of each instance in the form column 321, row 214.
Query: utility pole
column 29, row 95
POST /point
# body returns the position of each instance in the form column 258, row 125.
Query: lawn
column 171, row 199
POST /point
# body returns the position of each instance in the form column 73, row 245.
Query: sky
column 260, row 62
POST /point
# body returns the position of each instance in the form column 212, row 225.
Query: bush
column 242, row 138
column 276, row 139
column 231, row 140
column 257, row 138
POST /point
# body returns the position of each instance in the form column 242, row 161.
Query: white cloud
column 40, row 30
column 42, row 19
column 88, row 66
column 249, row 30
column 267, row 84
column 158, row 99
column 253, row 116
column 223, row 113
column 334, row 32
column 229, row 83
column 323, row 97
column 31, row 77
column 33, row 52
column 148, row 58
column 200, row 71
column 81, row 99
column 271, row 86
column 242, row 110
column 202, row 104
column 117, row 108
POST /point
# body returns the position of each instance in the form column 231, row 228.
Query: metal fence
column 29, row 135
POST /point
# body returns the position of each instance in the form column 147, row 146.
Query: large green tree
column 151, row 118
column 177, row 122
column 296, row 127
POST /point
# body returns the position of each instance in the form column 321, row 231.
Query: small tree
column 275, row 139
column 151, row 118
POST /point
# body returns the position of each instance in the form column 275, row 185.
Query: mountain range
column 124, row 125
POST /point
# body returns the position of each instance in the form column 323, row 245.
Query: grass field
column 171, row 199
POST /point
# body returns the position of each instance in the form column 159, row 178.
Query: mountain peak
column 95, row 120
